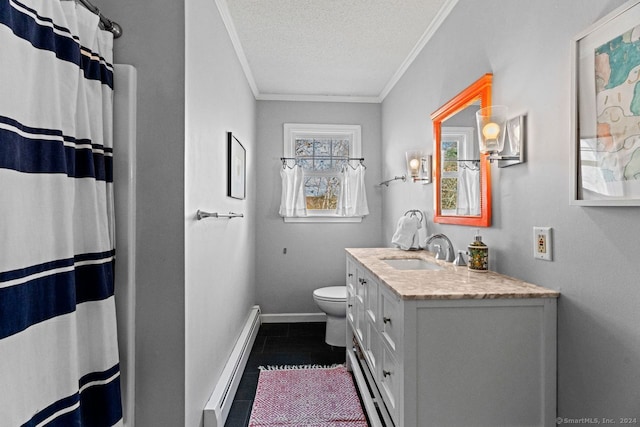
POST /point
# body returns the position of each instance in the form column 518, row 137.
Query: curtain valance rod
column 323, row 158
column 108, row 24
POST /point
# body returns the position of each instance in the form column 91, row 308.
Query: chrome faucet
column 439, row 254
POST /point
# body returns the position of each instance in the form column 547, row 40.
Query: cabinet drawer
column 391, row 319
column 389, row 381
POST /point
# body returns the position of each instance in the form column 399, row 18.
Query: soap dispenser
column 478, row 255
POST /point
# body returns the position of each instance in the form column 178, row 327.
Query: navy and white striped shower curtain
column 58, row 346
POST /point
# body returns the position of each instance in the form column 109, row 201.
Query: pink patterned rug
column 306, row 397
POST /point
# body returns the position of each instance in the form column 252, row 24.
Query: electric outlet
column 542, row 243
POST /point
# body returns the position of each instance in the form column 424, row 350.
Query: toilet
column 333, row 301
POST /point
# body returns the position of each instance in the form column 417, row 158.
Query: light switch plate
column 542, row 243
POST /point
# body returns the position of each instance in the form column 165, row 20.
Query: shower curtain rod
column 108, row 24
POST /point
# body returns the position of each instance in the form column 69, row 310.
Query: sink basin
column 411, row 264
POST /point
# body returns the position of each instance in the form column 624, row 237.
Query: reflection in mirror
column 462, row 176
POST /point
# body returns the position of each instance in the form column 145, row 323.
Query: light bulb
column 491, row 130
column 414, row 164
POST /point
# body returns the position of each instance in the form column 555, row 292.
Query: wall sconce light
column 493, row 127
column 419, row 166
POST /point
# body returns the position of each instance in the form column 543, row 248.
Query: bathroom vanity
column 437, row 345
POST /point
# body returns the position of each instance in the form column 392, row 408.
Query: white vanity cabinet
column 362, row 310
column 441, row 360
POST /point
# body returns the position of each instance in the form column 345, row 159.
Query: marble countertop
column 451, row 282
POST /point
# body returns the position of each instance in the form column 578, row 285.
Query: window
column 322, row 151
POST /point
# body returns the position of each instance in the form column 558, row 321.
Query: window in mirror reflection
column 449, row 177
column 460, row 172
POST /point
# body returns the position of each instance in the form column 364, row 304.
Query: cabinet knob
column 349, row 305
column 386, row 319
column 350, row 275
column 386, row 373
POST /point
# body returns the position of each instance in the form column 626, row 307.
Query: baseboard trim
column 293, row 318
column 371, row 397
column 219, row 404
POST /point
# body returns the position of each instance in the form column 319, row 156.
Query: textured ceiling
column 352, row 49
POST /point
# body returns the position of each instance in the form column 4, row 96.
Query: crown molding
column 223, row 8
column 318, row 98
column 426, row 36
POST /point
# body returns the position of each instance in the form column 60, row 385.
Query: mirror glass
column 462, row 176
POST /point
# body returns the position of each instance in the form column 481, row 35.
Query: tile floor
column 280, row 344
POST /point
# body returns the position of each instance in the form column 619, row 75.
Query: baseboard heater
column 371, row 398
column 219, row 404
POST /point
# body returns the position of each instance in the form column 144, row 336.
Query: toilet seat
column 331, row 293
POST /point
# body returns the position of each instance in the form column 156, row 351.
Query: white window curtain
column 293, row 202
column 58, row 339
column 353, row 197
column 468, row 191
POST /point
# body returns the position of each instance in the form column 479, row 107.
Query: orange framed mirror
column 462, row 175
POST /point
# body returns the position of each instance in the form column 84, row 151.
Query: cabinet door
column 351, row 308
column 351, row 273
column 389, row 381
column 371, row 287
column 391, row 319
column 360, row 324
column 351, row 292
column 372, row 347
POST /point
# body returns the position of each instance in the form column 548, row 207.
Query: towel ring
column 413, row 212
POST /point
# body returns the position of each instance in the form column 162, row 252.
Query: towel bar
column 202, row 214
column 403, row 178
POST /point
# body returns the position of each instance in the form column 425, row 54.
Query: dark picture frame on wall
column 236, row 168
column 606, row 110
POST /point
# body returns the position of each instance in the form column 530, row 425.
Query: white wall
column 195, row 280
column 219, row 253
column 315, row 252
column 527, row 46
